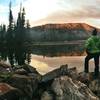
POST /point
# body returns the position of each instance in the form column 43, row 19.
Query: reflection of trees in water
column 16, row 55
column 61, row 50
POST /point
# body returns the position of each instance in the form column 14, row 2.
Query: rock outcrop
column 63, row 70
column 67, row 89
column 8, row 92
column 4, row 67
column 26, row 83
column 64, row 84
column 95, row 86
column 23, row 78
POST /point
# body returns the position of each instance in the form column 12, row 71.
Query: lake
column 45, row 64
column 58, row 50
column 46, row 58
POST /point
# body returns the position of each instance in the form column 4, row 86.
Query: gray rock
column 4, row 67
column 46, row 96
column 95, row 86
column 21, row 72
column 63, row 70
column 67, row 89
column 27, row 84
column 30, row 69
column 8, row 92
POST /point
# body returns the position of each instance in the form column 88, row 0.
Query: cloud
column 82, row 11
column 91, row 17
column 87, row 12
column 55, row 11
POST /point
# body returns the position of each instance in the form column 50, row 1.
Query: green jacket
column 92, row 44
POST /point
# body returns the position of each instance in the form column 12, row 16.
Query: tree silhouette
column 28, row 40
column 3, row 42
column 12, row 41
column 10, row 37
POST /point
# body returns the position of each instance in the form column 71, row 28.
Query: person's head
column 94, row 32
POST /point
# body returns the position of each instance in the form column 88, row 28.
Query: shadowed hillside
column 61, row 32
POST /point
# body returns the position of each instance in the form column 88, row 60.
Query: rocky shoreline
column 25, row 83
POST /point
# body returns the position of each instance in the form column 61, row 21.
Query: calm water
column 46, row 64
column 58, row 50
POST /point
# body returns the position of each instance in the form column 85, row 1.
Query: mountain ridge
column 85, row 26
column 62, row 32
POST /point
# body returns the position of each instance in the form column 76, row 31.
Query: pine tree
column 28, row 25
column 13, row 40
column 20, row 26
column 28, row 39
column 20, row 38
column 10, row 30
column 2, row 42
column 23, row 18
column 10, row 37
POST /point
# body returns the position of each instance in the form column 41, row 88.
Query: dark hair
column 94, row 32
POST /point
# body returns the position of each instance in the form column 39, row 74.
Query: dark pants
column 96, row 61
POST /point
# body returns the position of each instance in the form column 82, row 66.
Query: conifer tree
column 27, row 31
column 10, row 37
column 20, row 37
column 3, row 54
column 13, row 40
column 28, row 55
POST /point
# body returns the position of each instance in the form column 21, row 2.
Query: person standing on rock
column 92, row 47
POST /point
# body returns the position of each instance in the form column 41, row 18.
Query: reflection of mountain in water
column 57, row 34
column 58, row 50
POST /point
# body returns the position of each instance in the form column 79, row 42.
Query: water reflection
column 44, row 65
column 47, row 58
column 59, row 50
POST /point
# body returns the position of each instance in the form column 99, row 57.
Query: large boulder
column 63, row 70
column 21, row 71
column 67, row 89
column 95, row 86
column 25, row 70
column 4, row 67
column 27, row 84
column 47, row 96
column 91, row 81
column 8, row 92
column 30, row 69
column 65, row 84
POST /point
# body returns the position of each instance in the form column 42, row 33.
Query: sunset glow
column 54, row 11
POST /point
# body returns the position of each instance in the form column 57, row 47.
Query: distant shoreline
column 78, row 42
